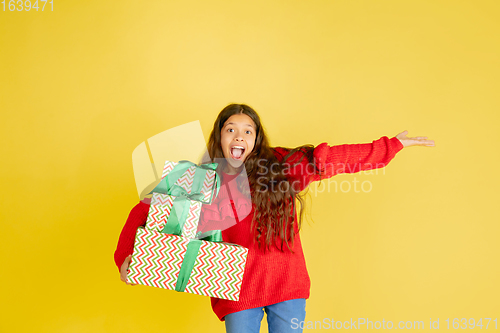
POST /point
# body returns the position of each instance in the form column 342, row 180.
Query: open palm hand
column 415, row 141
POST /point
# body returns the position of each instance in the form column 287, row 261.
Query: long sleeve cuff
column 137, row 217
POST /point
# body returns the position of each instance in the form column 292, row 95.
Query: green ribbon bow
column 180, row 210
column 167, row 184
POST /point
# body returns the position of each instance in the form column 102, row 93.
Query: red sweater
column 273, row 276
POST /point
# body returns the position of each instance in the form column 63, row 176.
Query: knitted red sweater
column 273, row 276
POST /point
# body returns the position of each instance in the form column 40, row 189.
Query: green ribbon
column 188, row 264
column 178, row 214
column 167, row 184
column 210, row 236
column 180, row 210
column 192, row 251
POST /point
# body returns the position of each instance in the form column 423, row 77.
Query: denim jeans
column 279, row 318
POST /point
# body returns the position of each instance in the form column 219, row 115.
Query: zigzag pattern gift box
column 199, row 182
column 173, row 215
column 195, row 266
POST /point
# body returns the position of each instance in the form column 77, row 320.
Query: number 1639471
column 27, row 5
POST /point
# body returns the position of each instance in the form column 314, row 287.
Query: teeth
column 239, row 147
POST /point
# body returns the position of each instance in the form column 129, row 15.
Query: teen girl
column 276, row 279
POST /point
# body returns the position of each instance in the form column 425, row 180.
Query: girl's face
column 238, row 139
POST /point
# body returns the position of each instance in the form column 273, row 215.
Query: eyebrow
column 235, row 124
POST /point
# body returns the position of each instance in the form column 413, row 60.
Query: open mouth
column 237, row 152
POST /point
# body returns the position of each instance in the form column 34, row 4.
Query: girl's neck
column 230, row 170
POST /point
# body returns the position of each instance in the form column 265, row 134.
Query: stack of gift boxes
column 168, row 251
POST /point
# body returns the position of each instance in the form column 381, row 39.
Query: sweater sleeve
column 137, row 217
column 329, row 161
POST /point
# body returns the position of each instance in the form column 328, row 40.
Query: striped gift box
column 199, row 267
column 187, row 179
column 160, row 209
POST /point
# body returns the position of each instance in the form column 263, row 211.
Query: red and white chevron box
column 160, row 209
column 206, row 184
column 158, row 261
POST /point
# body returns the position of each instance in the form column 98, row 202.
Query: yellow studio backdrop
column 85, row 83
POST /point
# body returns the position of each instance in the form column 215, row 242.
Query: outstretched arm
column 329, row 161
column 351, row 158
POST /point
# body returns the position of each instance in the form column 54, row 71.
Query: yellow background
column 82, row 86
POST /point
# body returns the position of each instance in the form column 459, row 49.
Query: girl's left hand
column 416, row 141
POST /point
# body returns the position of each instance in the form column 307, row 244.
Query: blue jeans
column 280, row 318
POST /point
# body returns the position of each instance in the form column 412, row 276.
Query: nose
column 238, row 137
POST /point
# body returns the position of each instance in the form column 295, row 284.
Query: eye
column 230, row 130
column 248, row 132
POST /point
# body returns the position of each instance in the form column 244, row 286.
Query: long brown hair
column 274, row 213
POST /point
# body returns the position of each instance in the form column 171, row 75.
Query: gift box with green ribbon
column 204, row 266
column 177, row 199
column 184, row 178
column 176, row 215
